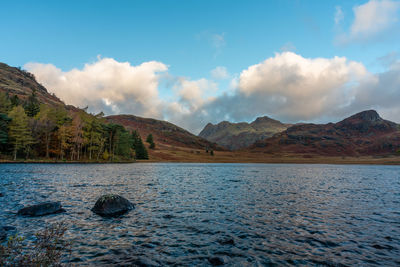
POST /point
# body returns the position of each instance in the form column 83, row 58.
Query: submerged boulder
column 112, row 205
column 41, row 209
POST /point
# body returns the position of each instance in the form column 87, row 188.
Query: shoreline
column 63, row 162
column 390, row 161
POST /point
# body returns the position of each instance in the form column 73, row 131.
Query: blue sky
column 191, row 38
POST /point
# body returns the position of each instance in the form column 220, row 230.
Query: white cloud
column 301, row 88
column 374, row 17
column 193, row 94
column 371, row 20
column 106, row 85
column 339, row 16
column 220, row 73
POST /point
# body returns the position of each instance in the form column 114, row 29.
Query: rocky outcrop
column 41, row 209
column 112, row 206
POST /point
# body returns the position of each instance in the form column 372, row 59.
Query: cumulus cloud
column 193, row 94
column 301, row 88
column 220, row 73
column 287, row 87
column 106, row 85
column 371, row 20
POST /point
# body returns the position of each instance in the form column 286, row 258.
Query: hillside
column 15, row 81
column 240, row 135
column 163, row 132
column 364, row 133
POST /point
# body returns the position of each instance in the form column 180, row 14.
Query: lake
column 191, row 214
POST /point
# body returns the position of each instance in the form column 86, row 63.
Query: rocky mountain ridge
column 364, row 133
column 241, row 135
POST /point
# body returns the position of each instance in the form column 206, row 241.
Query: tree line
column 31, row 130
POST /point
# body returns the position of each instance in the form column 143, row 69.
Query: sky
column 193, row 62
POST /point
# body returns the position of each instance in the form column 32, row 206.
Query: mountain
column 15, row 81
column 240, row 135
column 163, row 132
column 364, row 133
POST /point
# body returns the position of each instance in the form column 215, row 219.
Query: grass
column 166, row 153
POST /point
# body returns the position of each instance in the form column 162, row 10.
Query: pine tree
column 140, row 149
column 32, row 106
column 150, row 140
column 19, row 132
column 4, row 121
column 15, row 101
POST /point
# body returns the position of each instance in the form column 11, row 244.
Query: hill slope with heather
column 163, row 132
column 15, row 81
column 362, row 134
column 240, row 135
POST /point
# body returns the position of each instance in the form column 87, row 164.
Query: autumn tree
column 5, row 103
column 19, row 132
column 77, row 136
column 93, row 134
column 46, row 125
column 65, row 135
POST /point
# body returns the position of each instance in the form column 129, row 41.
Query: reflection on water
column 198, row 214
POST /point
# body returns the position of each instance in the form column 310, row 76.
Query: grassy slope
column 167, row 153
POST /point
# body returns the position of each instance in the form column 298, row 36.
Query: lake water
column 242, row 214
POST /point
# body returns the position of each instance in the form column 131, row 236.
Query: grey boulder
column 41, row 209
column 112, row 206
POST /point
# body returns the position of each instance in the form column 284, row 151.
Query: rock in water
column 41, row 209
column 112, row 205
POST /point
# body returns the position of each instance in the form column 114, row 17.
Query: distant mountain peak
column 367, row 115
column 242, row 134
column 265, row 119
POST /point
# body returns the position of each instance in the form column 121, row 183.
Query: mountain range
column 241, row 135
column 363, row 134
